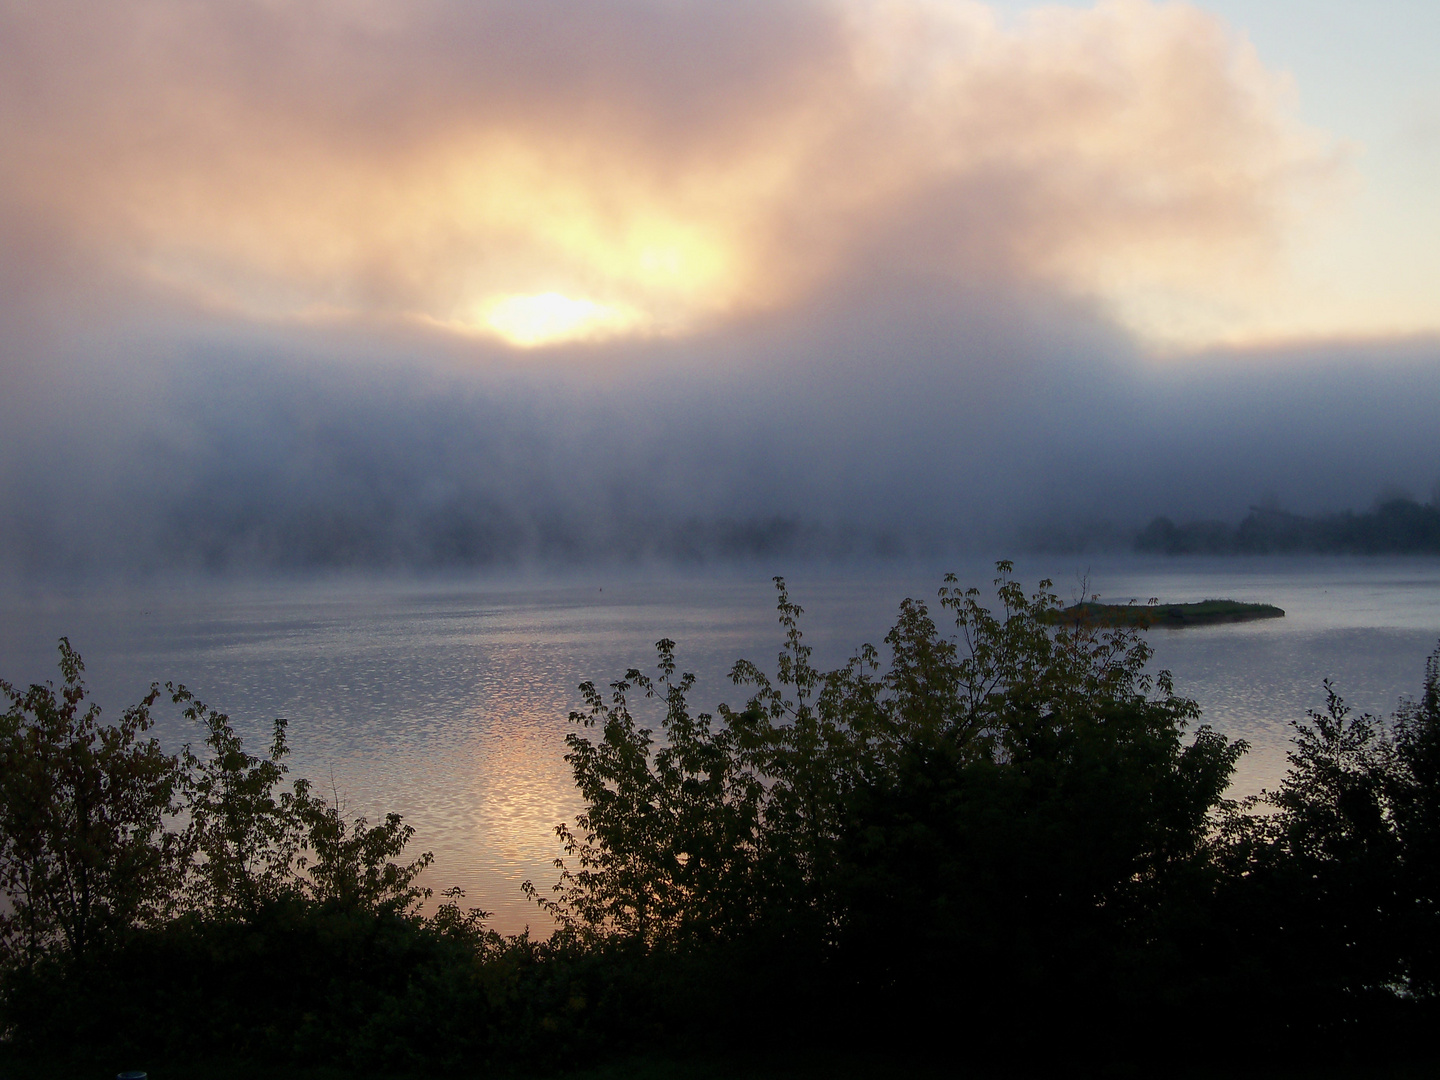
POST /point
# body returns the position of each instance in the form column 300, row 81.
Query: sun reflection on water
column 448, row 702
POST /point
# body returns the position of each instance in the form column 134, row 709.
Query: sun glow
column 1136, row 154
column 551, row 318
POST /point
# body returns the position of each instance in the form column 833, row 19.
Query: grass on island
column 1203, row 613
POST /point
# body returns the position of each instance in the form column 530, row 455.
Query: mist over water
column 940, row 365
column 948, row 432
column 257, row 436
column 405, row 555
column 390, row 370
column 446, row 698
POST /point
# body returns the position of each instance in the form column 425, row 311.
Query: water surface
column 447, row 699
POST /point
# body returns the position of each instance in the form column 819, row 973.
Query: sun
column 551, row 318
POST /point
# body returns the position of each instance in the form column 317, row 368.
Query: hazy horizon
column 430, row 285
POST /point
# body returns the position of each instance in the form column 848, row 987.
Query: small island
column 1204, row 613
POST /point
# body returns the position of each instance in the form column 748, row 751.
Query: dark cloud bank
column 908, row 428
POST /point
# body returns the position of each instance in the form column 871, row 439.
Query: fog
column 993, row 427
column 831, row 279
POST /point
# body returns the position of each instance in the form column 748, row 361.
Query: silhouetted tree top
column 1037, row 756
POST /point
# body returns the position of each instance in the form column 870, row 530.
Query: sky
column 376, row 283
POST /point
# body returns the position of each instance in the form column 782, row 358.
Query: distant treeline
column 1397, row 526
column 461, row 535
column 997, row 844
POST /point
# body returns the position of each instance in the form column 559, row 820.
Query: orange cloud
column 547, row 171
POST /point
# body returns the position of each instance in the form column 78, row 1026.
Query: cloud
column 683, row 164
column 832, row 278
column 849, row 431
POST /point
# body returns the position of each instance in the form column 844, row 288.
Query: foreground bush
column 173, row 903
column 1013, row 821
column 1002, row 828
column 1006, row 829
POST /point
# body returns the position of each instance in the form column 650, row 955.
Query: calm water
column 448, row 700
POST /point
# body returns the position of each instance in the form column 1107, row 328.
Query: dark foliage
column 1008, row 829
column 176, row 903
column 85, row 851
column 1004, row 828
column 1327, row 914
column 986, row 827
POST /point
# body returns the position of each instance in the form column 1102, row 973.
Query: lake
column 446, row 699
